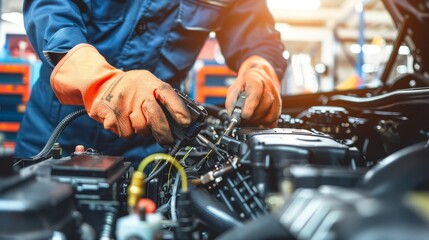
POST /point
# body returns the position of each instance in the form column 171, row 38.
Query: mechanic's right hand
column 124, row 102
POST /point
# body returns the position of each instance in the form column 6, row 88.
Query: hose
column 391, row 99
column 170, row 159
column 136, row 188
column 399, row 172
column 57, row 132
column 212, row 212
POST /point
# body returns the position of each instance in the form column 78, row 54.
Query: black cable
column 164, row 208
column 57, row 132
column 156, row 173
column 200, row 163
column 218, row 152
column 221, row 153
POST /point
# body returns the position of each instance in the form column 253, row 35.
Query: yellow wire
column 208, row 154
column 187, row 154
column 156, row 166
column 170, row 159
column 211, row 150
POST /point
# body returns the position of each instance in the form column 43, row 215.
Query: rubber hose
column 399, row 172
column 377, row 102
column 211, row 211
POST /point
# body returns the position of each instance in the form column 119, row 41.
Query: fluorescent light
column 355, row 48
column 293, row 4
column 404, row 50
column 367, row 49
column 374, row 49
column 371, row 49
column 13, row 17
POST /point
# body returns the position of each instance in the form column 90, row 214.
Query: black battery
column 99, row 183
column 95, row 177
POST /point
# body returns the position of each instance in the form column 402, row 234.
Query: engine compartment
column 339, row 165
column 326, row 172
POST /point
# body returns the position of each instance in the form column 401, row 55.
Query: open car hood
column 416, row 15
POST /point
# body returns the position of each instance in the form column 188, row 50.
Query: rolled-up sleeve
column 249, row 30
column 54, row 26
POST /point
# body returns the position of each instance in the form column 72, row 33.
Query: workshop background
column 330, row 44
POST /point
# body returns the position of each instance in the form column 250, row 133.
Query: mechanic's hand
column 258, row 79
column 124, row 102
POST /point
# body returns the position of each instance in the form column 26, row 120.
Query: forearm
column 249, row 30
column 53, row 28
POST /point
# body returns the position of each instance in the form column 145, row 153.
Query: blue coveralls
column 162, row 36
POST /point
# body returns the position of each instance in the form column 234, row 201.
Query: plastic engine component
column 336, row 213
column 46, row 208
column 271, row 151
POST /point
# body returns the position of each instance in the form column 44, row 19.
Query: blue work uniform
column 162, row 36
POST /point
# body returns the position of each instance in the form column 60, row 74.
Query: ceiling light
column 367, row 48
column 293, row 4
column 404, row 50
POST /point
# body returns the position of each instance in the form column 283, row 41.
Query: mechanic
column 116, row 57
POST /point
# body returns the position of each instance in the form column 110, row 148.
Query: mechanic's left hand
column 258, row 79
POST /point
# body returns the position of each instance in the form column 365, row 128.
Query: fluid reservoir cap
column 148, row 205
column 79, row 149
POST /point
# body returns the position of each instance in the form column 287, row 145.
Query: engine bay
column 339, row 171
column 339, row 165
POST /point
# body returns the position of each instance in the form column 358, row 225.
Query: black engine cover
column 271, row 151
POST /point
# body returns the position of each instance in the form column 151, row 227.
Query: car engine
column 339, row 165
column 339, row 171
